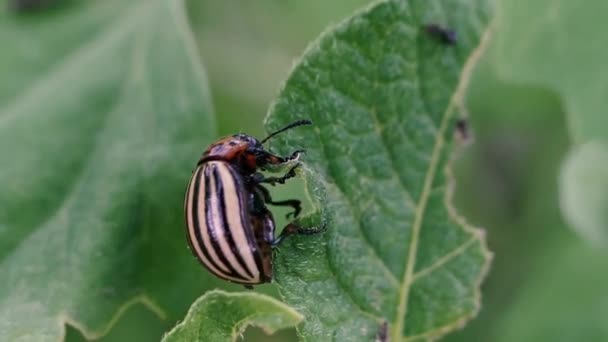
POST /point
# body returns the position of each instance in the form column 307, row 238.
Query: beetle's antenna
column 290, row 126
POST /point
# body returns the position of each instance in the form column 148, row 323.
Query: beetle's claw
column 313, row 230
column 296, row 154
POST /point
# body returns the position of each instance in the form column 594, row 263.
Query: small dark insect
column 229, row 228
column 382, row 335
column 462, row 132
column 446, row 36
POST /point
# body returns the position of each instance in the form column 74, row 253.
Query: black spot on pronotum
column 444, row 35
column 382, row 335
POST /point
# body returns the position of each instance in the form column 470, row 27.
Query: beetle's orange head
column 246, row 151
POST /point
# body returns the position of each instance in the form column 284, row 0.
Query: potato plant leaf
column 548, row 296
column 547, row 43
column 584, row 190
column 544, row 42
column 222, row 316
column 104, row 117
column 384, row 95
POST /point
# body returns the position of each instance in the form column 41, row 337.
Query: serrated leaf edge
column 477, row 234
column 89, row 334
column 238, row 327
column 179, row 12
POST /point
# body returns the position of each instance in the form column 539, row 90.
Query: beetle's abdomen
column 218, row 223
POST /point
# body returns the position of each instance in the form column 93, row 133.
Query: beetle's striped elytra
column 229, row 228
column 217, row 225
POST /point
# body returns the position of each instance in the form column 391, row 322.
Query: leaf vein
column 360, row 229
column 445, row 259
column 51, row 81
column 408, row 278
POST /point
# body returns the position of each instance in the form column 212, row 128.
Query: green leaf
column 383, row 95
column 564, row 299
column 221, row 316
column 584, row 190
column 547, row 43
column 99, row 131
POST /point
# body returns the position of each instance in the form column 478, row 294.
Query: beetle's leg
column 294, row 203
column 281, row 180
column 296, row 154
column 257, row 178
column 263, row 230
column 267, row 158
column 293, row 228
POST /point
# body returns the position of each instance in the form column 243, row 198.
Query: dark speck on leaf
column 446, row 36
column 462, row 132
column 462, row 126
column 31, row 5
column 382, row 335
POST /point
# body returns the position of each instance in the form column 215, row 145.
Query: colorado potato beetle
column 228, row 226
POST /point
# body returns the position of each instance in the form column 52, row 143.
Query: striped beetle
column 229, row 228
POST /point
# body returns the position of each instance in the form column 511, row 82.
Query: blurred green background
column 546, row 284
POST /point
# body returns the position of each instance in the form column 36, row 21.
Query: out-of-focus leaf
column 383, row 94
column 566, row 299
column 250, row 46
column 221, row 316
column 559, row 45
column 137, row 324
column 103, row 116
column 520, row 137
column 584, row 190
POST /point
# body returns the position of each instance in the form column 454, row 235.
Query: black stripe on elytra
column 215, row 228
column 196, row 223
column 222, row 200
column 243, row 195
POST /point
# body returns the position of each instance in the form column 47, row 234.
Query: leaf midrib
column 118, row 29
column 408, row 276
column 455, row 101
column 49, row 81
